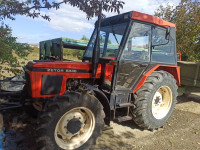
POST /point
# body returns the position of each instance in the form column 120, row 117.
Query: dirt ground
column 182, row 132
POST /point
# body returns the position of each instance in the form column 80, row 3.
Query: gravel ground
column 181, row 132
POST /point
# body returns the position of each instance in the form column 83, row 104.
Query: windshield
column 110, row 39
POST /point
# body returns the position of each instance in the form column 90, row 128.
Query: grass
column 72, row 54
column 172, row 143
column 34, row 55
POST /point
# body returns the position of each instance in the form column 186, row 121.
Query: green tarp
column 190, row 73
column 54, row 48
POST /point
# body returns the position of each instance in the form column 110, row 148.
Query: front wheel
column 71, row 121
column 155, row 100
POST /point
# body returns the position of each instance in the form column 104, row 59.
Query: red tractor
column 130, row 62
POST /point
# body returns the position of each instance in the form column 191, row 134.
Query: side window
column 110, row 40
column 138, row 46
column 89, row 51
column 163, row 50
column 103, row 37
column 113, row 44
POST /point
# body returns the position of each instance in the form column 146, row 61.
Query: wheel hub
column 158, row 100
column 74, row 128
column 74, row 125
column 161, row 102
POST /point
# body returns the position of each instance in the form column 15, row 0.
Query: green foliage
column 187, row 20
column 31, row 8
column 10, row 52
column 72, row 54
column 102, row 40
column 84, row 38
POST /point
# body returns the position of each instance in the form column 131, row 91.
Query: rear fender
column 173, row 70
column 103, row 100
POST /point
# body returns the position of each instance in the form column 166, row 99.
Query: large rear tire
column 155, row 100
column 70, row 121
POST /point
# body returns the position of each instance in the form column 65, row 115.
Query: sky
column 70, row 22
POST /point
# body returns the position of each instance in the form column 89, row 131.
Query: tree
column 187, row 20
column 10, row 50
column 84, row 38
column 31, row 8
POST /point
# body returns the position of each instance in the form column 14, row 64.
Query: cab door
column 135, row 57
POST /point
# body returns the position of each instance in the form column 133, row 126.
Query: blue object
column 2, row 135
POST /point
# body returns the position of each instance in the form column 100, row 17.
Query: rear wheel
column 155, row 100
column 71, row 121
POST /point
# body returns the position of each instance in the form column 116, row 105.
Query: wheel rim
column 74, row 128
column 161, row 102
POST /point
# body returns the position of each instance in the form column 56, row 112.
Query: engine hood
column 60, row 65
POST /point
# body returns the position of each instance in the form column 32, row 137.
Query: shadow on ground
column 188, row 98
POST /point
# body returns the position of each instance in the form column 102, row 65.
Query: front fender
column 103, row 100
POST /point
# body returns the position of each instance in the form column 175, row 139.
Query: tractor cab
column 136, row 43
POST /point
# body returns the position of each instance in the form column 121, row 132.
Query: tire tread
column 140, row 115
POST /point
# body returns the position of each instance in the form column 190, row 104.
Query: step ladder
column 128, row 116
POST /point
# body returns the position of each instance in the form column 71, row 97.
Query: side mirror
column 167, row 33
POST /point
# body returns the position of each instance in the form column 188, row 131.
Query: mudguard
column 104, row 101
column 174, row 70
